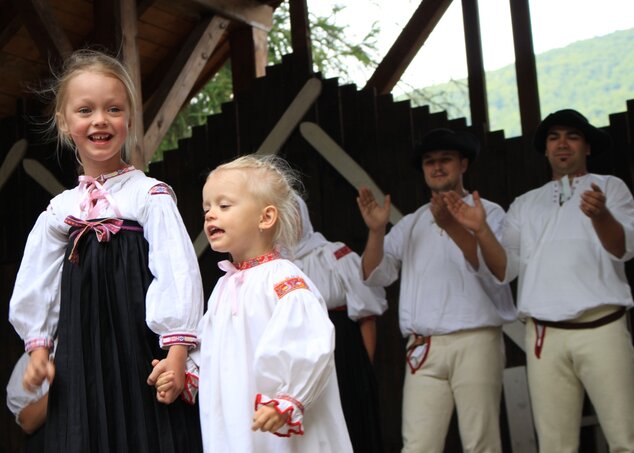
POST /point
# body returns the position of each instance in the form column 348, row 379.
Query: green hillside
column 594, row 76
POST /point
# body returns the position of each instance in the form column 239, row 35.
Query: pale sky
column 555, row 23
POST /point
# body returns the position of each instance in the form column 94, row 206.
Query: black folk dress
column 100, row 401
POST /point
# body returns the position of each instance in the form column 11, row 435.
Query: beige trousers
column 463, row 368
column 599, row 360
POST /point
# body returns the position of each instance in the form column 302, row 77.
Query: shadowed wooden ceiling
column 172, row 47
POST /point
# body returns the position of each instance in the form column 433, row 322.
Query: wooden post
column 249, row 47
column 525, row 67
column 477, row 79
column 300, row 34
column 126, row 15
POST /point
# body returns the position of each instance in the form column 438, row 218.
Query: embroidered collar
column 257, row 260
column 564, row 188
column 121, row 171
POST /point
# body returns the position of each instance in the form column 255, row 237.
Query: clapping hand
column 472, row 218
column 374, row 215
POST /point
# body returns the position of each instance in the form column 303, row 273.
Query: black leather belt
column 607, row 319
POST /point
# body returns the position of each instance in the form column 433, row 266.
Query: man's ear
column 268, row 217
column 464, row 164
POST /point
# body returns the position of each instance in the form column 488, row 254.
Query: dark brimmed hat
column 599, row 140
column 443, row 139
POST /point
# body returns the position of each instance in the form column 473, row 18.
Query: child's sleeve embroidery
column 160, row 189
column 343, row 251
column 288, row 285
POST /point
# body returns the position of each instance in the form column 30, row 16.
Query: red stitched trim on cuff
column 38, row 343
column 185, row 339
column 286, row 397
column 293, row 427
column 191, row 388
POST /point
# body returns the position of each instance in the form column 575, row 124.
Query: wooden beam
column 525, row 66
column 179, row 79
column 44, row 28
column 127, row 31
column 247, row 12
column 248, row 47
column 300, row 34
column 261, row 44
column 219, row 58
column 475, row 63
column 407, row 45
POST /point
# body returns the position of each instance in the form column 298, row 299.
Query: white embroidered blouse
column 174, row 300
column 266, row 339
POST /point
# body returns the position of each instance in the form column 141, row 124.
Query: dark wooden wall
column 375, row 131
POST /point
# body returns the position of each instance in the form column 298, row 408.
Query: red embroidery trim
column 288, row 285
column 179, row 338
column 191, row 388
column 343, row 251
column 38, row 343
column 121, row 171
column 286, row 397
column 160, row 189
column 257, row 260
column 294, row 427
column 102, row 228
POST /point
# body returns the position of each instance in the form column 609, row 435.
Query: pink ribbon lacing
column 234, row 279
column 103, row 230
column 95, row 199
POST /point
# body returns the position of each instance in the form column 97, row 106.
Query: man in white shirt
column 568, row 241
column 451, row 315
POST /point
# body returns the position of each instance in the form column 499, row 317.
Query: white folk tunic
column 266, row 339
column 563, row 268
column 174, row 300
column 334, row 268
column 439, row 292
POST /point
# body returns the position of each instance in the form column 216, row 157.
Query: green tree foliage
column 593, row 76
column 332, row 53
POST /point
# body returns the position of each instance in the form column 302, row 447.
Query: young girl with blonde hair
column 267, row 374
column 110, row 270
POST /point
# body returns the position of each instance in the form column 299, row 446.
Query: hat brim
column 466, row 144
column 599, row 140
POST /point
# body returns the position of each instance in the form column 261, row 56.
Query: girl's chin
column 216, row 248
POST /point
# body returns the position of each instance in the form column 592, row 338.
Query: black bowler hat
column 443, row 139
column 599, row 140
